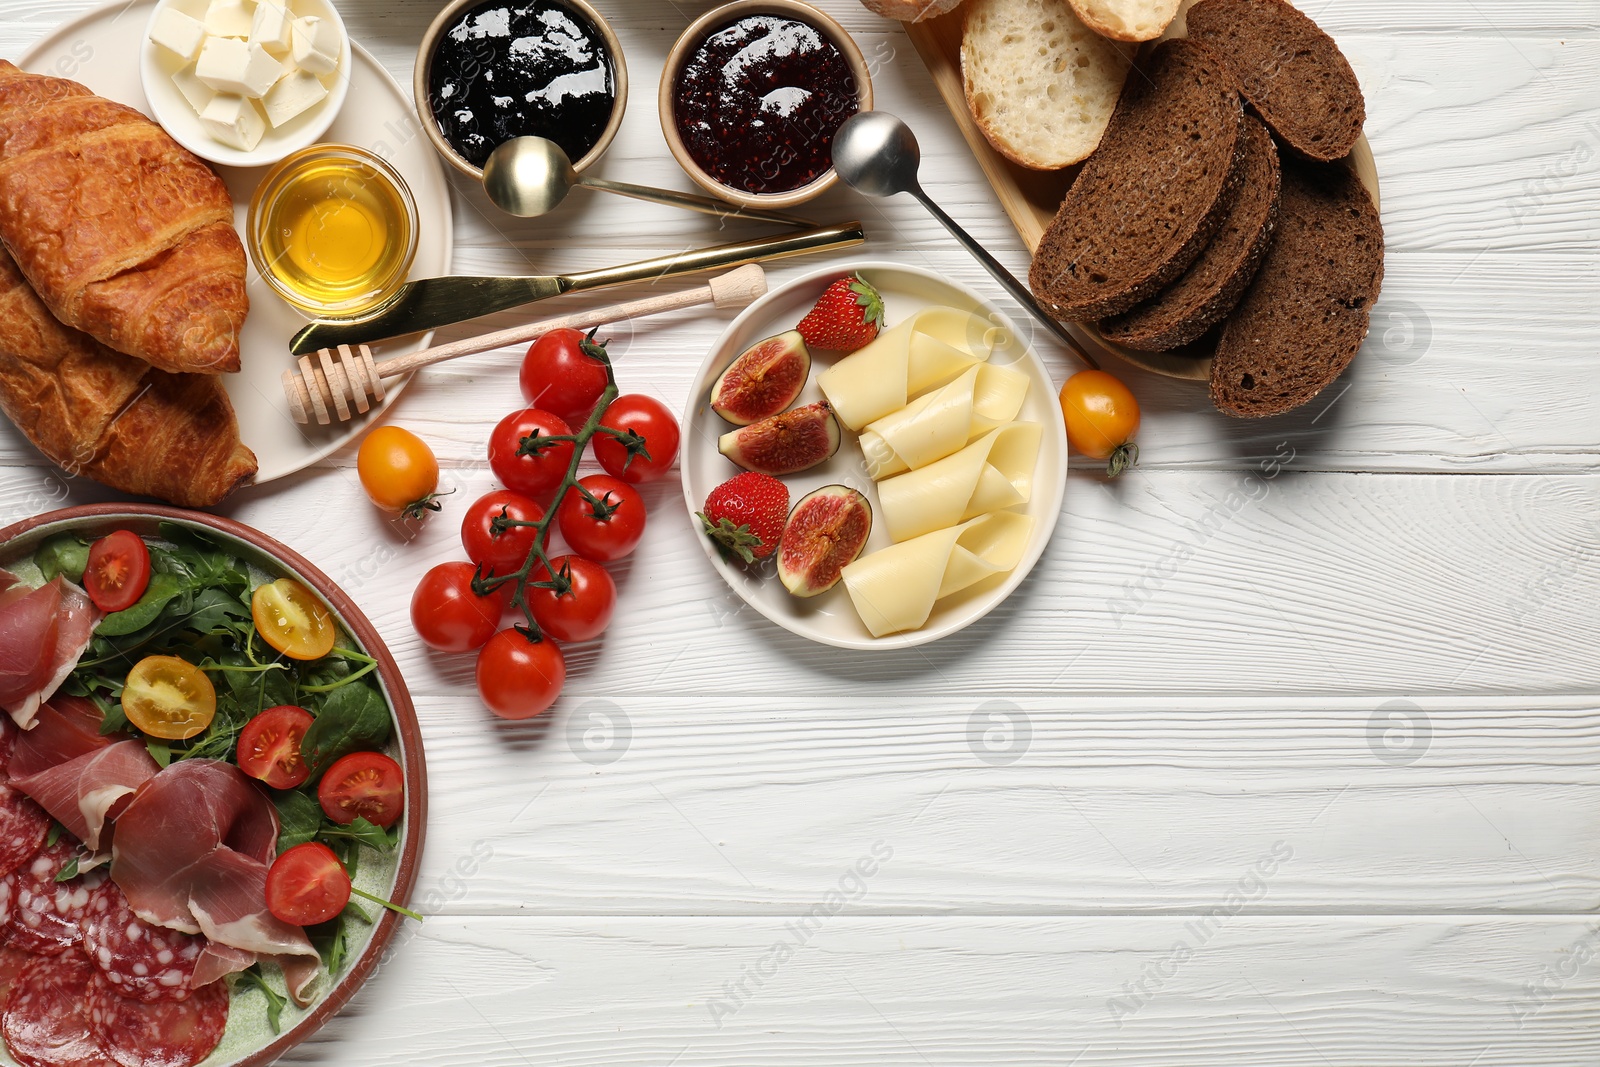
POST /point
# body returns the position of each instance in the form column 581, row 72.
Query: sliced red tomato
column 269, row 746
column 367, row 785
column 118, row 571
column 307, row 885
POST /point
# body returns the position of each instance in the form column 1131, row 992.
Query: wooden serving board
column 1030, row 197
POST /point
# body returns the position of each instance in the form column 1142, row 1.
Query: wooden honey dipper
column 343, row 382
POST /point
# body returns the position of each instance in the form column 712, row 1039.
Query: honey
column 333, row 231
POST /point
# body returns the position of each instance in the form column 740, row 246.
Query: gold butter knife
column 433, row 302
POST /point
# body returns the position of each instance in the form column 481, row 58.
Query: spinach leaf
column 162, row 589
column 352, row 717
column 215, row 612
column 62, row 554
column 299, row 818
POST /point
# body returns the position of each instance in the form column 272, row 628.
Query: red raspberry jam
column 759, row 100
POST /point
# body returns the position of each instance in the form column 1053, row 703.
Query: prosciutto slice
column 43, row 634
column 64, row 729
column 191, row 852
column 82, row 792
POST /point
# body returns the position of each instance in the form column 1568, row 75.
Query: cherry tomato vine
column 538, row 558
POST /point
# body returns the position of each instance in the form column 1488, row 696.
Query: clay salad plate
column 832, row 617
column 197, row 818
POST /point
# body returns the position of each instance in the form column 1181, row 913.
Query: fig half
column 763, row 381
column 794, row 441
column 825, row 533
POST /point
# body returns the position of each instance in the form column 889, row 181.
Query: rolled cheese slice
column 944, row 421
column 895, row 588
column 932, row 347
column 992, row 473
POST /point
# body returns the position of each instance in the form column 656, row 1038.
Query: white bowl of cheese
column 244, row 83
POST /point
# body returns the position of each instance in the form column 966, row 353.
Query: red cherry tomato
column 501, row 553
column 269, row 746
column 118, row 571
column 519, row 677
column 583, row 611
column 560, row 377
column 448, row 615
column 604, row 537
column 307, row 885
column 649, row 419
column 537, row 473
column 368, row 785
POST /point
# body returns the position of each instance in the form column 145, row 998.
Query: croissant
column 109, row 416
column 122, row 232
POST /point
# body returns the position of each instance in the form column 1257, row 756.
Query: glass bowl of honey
column 333, row 230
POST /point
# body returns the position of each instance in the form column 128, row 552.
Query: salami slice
column 46, row 1017
column 12, row 961
column 139, row 960
column 47, row 915
column 23, row 826
column 160, row 1033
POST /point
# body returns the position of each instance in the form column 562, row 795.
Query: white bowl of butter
column 244, row 83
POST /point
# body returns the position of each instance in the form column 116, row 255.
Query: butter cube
column 272, row 28
column 197, row 92
column 294, row 95
column 316, row 45
column 229, row 18
column 237, row 68
column 234, row 121
column 178, row 33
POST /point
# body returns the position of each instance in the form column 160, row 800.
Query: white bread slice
column 1127, row 20
column 1040, row 84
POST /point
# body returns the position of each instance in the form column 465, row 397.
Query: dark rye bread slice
column 1153, row 193
column 1304, row 317
column 1214, row 282
column 1292, row 73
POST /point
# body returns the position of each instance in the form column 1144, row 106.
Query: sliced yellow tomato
column 168, row 697
column 291, row 619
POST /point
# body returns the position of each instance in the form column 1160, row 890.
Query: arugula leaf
column 161, row 590
column 299, row 818
column 62, row 554
column 363, row 832
column 159, row 751
column 275, row 1001
column 329, row 940
column 197, row 560
column 54, row 835
column 351, row 717
column 69, row 870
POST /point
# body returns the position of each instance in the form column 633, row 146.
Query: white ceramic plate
column 173, row 111
column 100, row 50
column 830, row 618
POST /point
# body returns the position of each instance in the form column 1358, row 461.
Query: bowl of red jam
column 491, row 70
column 751, row 96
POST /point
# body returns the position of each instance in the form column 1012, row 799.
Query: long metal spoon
column 528, row 176
column 877, row 154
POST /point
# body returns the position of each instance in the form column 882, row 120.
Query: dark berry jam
column 759, row 100
column 504, row 70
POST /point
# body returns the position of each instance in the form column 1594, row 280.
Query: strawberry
column 745, row 515
column 849, row 315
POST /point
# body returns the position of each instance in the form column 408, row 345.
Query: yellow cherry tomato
column 291, row 619
column 1102, row 418
column 399, row 472
column 168, row 697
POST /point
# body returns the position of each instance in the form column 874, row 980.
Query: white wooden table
column 1288, row 769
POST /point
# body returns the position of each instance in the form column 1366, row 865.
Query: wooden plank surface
column 1380, row 658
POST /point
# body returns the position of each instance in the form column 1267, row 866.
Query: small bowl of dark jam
column 752, row 95
column 491, row 70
